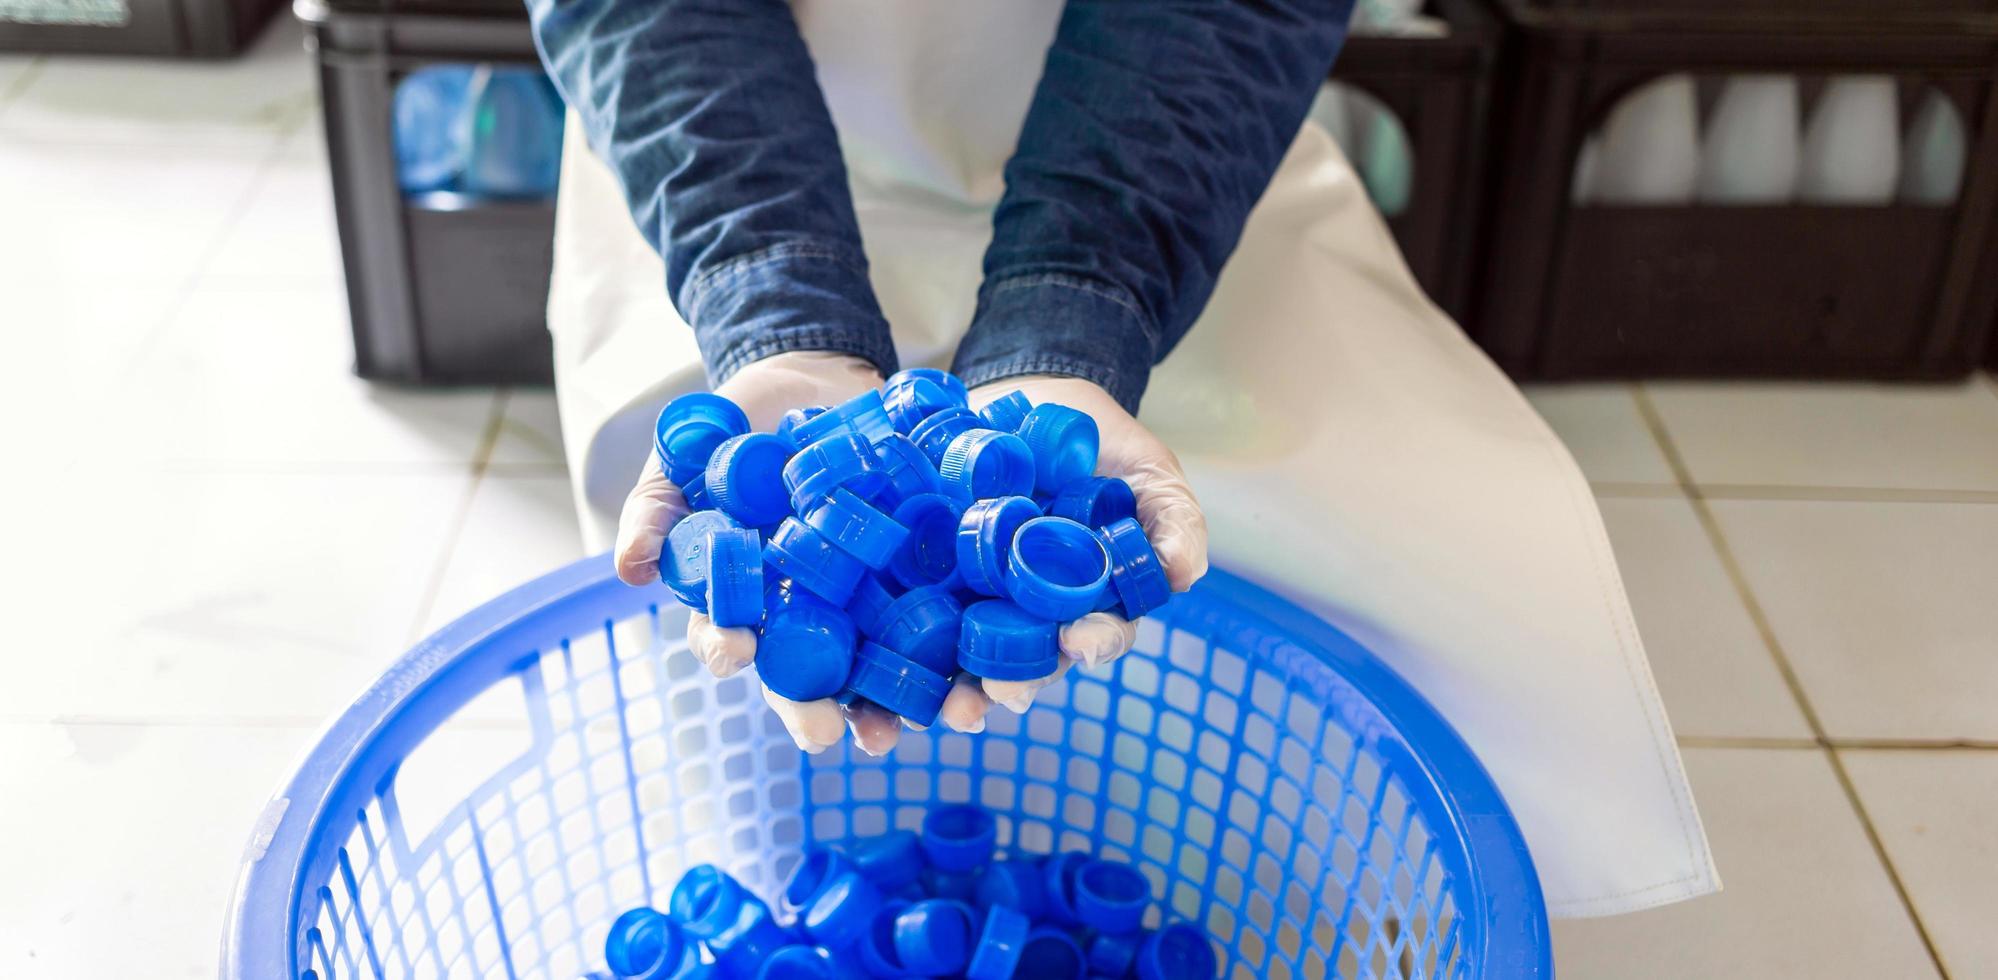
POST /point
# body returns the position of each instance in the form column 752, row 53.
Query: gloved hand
column 765, row 390
column 1166, row 507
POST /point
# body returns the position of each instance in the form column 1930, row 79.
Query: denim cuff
column 792, row 296
column 1048, row 323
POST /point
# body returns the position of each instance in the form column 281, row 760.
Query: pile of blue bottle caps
column 481, row 130
column 882, row 546
column 904, row 904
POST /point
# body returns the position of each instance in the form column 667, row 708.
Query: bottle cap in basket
column 1006, row 412
column 732, row 922
column 876, row 948
column 1064, row 442
column 897, row 683
column 929, row 556
column 1112, row 956
column 735, row 577
column 985, row 537
column 892, row 860
column 960, row 837
column 922, row 625
column 745, row 478
column 1135, row 572
column 806, row 649
column 646, row 943
column 1050, row 952
column 1002, row 642
column 1000, row 942
column 1058, row 875
column 1057, row 569
column 1096, row 502
column 863, row 414
column 981, row 463
column 689, row 429
column 1110, row 898
column 800, row 962
column 1016, row 885
column 932, row 434
column 683, row 563
column 829, row 900
column 933, row 937
column 812, row 562
column 857, row 528
column 1177, row 952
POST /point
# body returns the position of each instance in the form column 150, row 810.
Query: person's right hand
column 764, row 390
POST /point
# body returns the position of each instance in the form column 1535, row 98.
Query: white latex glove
column 765, row 390
column 1166, row 507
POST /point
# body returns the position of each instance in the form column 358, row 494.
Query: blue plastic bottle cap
column 745, row 478
column 933, row 937
column 1064, row 442
column 735, row 577
column 1178, row 952
column 810, row 561
column 1111, row 898
column 1096, row 502
column 1112, row 956
column 985, row 538
column 959, row 837
column 877, row 949
column 1135, row 571
column 645, row 943
column 893, row 860
column 906, row 470
column 999, row 641
column 937, row 376
column 1007, row 411
column 914, row 400
column 1017, row 885
column 1058, row 877
column 1000, row 942
column 830, row 900
column 1057, row 569
column 929, row 556
column 897, row 683
column 787, row 427
column 806, row 650
column 959, row 885
column 871, row 598
column 922, row 625
column 936, row 432
column 735, row 925
column 842, row 459
column 857, row 528
column 981, row 463
column 864, row 414
column 683, row 563
column 695, row 492
column 1051, row 954
column 689, row 429
column 806, row 963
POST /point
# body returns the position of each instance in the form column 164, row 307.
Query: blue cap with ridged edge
column 857, row 528
column 1007, row 411
column 695, row 493
column 985, row 536
column 688, row 430
column 937, row 376
column 936, row 432
column 735, row 577
column 1017, row 885
column 1050, row 952
column 1057, row 569
column 745, row 478
column 871, row 597
column 999, row 945
column 787, row 427
column 806, row 649
column 999, row 641
column 863, row 413
column 933, row 937
column 829, row 900
column 732, row 922
column 907, row 471
column 811, row 561
column 1064, row 442
column 898, row 684
column 1112, row 956
column 929, row 556
column 915, row 399
column 960, row 885
column 959, row 836
column 1110, row 898
column 1178, row 951
column 801, row 962
column 922, row 625
column 877, row 949
column 982, row 463
column 1096, row 502
column 683, row 563
column 646, row 944
column 893, row 860
column 1058, row 875
column 842, row 459
column 1136, row 573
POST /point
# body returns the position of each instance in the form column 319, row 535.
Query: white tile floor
column 230, row 535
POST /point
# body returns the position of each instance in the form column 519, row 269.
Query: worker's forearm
column 1155, row 128
column 710, row 114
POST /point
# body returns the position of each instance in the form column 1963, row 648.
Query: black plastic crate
column 155, row 28
column 442, row 288
column 1891, row 288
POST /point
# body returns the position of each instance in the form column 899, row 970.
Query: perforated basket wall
column 1262, row 793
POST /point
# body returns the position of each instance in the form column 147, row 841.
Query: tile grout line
column 1841, row 744
column 22, row 81
column 481, row 459
column 1739, row 579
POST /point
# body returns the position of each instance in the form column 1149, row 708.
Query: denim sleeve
column 710, row 114
column 1155, row 128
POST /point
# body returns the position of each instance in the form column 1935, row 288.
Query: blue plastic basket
column 1271, row 779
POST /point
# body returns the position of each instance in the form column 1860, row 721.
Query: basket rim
column 427, row 684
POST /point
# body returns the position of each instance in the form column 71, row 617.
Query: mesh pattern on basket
column 1234, row 784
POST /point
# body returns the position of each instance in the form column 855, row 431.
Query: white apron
column 1352, row 449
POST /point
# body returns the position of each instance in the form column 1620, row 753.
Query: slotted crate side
column 152, row 28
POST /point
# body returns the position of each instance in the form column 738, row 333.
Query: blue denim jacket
column 1154, row 129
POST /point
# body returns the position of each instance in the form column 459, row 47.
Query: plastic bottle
column 1933, row 153
column 516, row 134
column 1751, row 150
column 1852, row 149
column 1651, row 146
column 432, row 128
